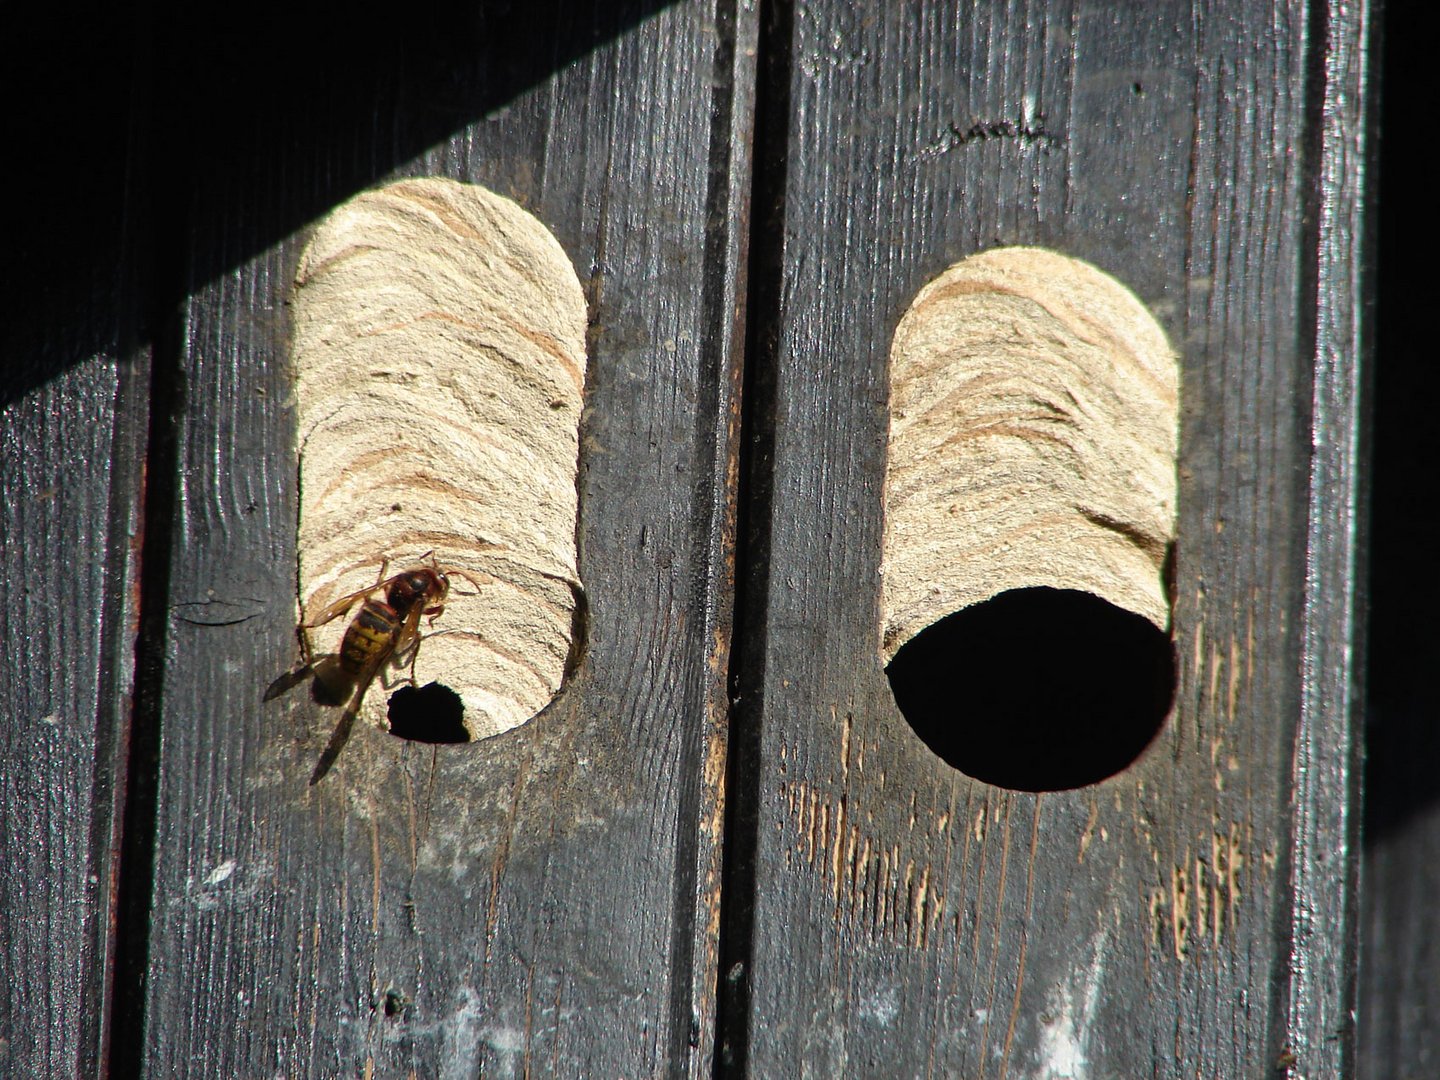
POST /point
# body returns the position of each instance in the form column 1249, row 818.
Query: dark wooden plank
column 73, row 430
column 1323, row 931
column 545, row 901
column 907, row 920
column 69, row 480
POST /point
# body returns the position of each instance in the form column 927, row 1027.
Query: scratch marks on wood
column 1198, row 906
column 377, row 873
column 215, row 611
column 1025, row 132
column 711, row 823
column 1180, row 910
column 1228, row 861
column 1224, row 668
column 876, row 887
column 1088, row 834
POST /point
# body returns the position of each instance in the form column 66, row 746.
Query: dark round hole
column 394, row 1002
column 1037, row 689
column 430, row 714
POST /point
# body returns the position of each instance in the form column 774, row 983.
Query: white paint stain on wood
column 1068, row 1020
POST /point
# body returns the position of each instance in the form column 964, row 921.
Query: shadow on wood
column 150, row 146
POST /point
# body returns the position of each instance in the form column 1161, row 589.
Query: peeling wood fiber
column 439, row 353
column 1033, row 436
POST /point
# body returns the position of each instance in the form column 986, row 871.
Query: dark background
column 1404, row 645
column 1400, row 920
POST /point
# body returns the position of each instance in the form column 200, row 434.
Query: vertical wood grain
column 70, row 483
column 1324, row 848
column 549, row 902
column 908, row 920
column 543, row 901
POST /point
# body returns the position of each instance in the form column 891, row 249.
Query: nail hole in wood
column 430, row 714
column 1037, row 689
column 394, row 1003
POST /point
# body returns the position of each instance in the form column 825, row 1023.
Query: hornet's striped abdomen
column 369, row 637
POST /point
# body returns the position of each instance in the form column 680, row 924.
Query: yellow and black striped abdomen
column 369, row 637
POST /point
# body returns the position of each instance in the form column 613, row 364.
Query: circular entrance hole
column 1037, row 689
column 430, row 714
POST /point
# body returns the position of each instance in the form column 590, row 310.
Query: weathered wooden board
column 545, row 901
column 548, row 901
column 74, row 387
column 1192, row 914
column 70, row 484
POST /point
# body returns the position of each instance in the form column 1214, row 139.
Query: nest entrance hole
column 1037, row 689
column 430, row 714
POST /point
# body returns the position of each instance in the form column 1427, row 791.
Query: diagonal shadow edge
column 294, row 101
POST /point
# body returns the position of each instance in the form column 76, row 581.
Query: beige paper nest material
column 1033, row 440
column 439, row 352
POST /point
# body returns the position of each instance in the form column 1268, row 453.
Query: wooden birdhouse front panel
column 690, row 539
